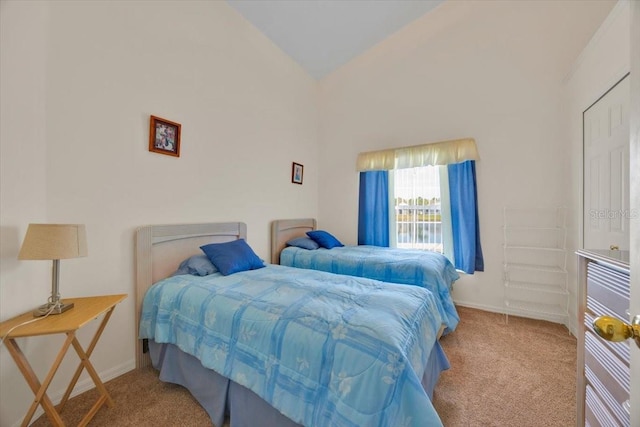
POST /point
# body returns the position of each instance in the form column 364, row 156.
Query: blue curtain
column 464, row 217
column 373, row 208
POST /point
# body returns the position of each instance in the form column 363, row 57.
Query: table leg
column 96, row 379
column 39, row 390
column 86, row 364
column 81, row 366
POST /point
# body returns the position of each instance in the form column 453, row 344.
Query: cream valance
column 437, row 153
column 377, row 160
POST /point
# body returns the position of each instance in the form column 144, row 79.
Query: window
column 417, row 209
column 423, row 197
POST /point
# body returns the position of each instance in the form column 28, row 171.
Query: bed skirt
column 220, row 396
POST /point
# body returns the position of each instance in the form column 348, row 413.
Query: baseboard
column 515, row 312
column 84, row 385
column 491, row 309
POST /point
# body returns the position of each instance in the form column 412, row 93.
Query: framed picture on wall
column 296, row 173
column 164, row 136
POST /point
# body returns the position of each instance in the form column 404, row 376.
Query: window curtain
column 373, row 208
column 464, row 217
column 445, row 211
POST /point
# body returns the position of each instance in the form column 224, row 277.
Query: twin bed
column 282, row 346
column 426, row 269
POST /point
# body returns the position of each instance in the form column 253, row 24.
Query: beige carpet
column 516, row 374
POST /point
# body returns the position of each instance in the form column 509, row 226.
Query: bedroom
column 80, row 80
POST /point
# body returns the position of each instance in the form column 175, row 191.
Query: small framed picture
column 164, row 136
column 296, row 173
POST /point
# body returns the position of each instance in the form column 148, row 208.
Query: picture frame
column 164, row 136
column 297, row 171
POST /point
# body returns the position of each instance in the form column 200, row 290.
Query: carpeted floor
column 518, row 374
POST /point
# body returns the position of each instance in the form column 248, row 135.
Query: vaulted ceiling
column 322, row 35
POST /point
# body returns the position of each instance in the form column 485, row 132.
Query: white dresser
column 603, row 367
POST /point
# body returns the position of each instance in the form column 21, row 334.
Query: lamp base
column 52, row 308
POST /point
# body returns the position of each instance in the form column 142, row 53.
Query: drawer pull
column 612, row 329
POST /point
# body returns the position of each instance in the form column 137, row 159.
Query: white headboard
column 283, row 230
column 159, row 250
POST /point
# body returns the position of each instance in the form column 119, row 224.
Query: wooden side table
column 85, row 310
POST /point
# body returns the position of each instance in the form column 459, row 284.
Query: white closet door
column 606, row 170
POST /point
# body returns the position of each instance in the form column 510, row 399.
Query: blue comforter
column 429, row 270
column 323, row 349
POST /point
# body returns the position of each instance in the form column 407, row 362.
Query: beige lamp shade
column 54, row 241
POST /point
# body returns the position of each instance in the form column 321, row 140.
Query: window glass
column 418, row 208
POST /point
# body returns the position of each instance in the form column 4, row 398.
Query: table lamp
column 54, row 242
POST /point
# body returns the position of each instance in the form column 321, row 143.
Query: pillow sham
column 324, row 239
column 304, row 243
column 232, row 257
column 196, row 265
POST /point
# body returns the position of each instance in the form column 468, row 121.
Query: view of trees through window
column 418, row 216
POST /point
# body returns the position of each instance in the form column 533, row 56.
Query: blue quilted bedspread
column 429, row 270
column 323, row 349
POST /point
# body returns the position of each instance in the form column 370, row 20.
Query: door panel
column 606, row 170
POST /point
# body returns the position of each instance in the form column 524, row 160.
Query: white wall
column 23, row 196
column 488, row 70
column 603, row 62
column 79, row 81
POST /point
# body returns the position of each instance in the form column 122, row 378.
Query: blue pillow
column 324, row 239
column 232, row 257
column 304, row 243
column 196, row 265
